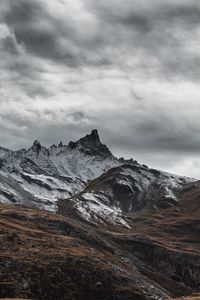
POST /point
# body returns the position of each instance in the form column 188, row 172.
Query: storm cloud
column 128, row 68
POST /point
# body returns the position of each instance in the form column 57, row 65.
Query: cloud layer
column 129, row 68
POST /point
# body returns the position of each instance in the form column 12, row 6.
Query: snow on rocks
column 92, row 209
column 49, row 174
column 124, row 189
column 143, row 178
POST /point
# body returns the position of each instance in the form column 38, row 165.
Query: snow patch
column 92, row 208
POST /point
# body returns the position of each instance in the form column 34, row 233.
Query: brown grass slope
column 46, row 256
column 163, row 244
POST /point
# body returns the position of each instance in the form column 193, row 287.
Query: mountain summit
column 43, row 176
column 91, row 144
column 92, row 139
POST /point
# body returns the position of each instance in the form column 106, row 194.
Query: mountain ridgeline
column 42, row 176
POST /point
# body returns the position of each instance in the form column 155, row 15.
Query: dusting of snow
column 142, row 183
column 145, row 177
column 47, row 175
column 172, row 184
column 76, row 163
column 93, row 208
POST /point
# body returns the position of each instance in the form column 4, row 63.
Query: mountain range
column 79, row 223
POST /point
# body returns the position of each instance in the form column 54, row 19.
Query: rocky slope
column 44, row 256
column 127, row 188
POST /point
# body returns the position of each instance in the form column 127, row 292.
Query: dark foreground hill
column 46, row 256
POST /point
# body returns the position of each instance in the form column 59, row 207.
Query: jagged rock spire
column 95, row 135
column 36, row 145
column 91, row 139
column 91, row 145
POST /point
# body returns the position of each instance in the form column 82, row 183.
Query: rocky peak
column 38, row 149
column 91, row 145
column 36, row 146
column 91, row 140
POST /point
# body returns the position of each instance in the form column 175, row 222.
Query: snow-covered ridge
column 49, row 174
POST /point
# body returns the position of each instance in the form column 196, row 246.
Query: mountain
column 41, row 176
column 79, row 223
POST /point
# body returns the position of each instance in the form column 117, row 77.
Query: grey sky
column 129, row 68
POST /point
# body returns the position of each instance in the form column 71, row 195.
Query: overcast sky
column 130, row 68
